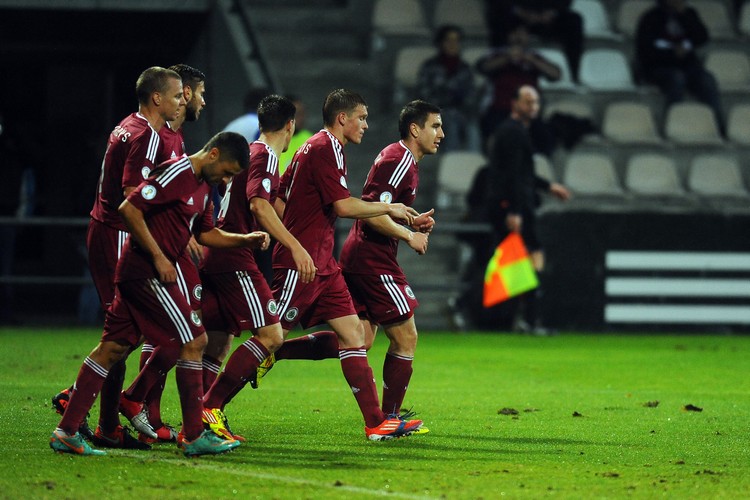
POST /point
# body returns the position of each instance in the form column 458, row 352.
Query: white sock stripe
column 255, row 350
column 251, row 298
column 146, row 347
column 395, row 292
column 188, row 364
column 212, row 367
column 352, row 353
column 98, row 369
column 173, row 312
column 399, row 356
column 290, row 282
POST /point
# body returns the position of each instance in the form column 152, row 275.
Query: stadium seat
column 744, row 22
column 456, row 171
column 692, row 123
column 738, row 124
column 630, row 123
column 731, row 69
column 468, row 14
column 716, row 175
column 543, row 168
column 715, row 16
column 591, row 174
column 581, row 108
column 595, row 19
column 652, row 174
column 629, row 13
column 408, row 62
column 606, row 69
column 399, row 17
column 556, row 56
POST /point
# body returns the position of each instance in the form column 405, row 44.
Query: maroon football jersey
column 315, row 179
column 261, row 179
column 173, row 144
column 175, row 205
column 393, row 178
column 131, row 155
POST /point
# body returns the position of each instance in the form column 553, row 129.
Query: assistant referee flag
column 509, row 272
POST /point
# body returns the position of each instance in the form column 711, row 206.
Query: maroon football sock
column 211, row 368
column 87, row 386
column 242, row 364
column 358, row 375
column 190, row 386
column 397, row 372
column 153, row 402
column 315, row 346
column 161, row 361
column 109, row 402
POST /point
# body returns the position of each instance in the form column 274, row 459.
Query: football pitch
column 572, row 416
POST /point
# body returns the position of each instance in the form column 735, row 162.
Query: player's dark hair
column 443, row 31
column 154, row 79
column 275, row 111
column 231, row 146
column 190, row 76
column 253, row 98
column 415, row 112
column 340, row 101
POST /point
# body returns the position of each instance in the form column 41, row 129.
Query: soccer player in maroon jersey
column 236, row 296
column 131, row 154
column 193, row 88
column 315, row 195
column 161, row 214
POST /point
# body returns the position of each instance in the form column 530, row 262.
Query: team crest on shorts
column 272, row 307
column 386, row 197
column 195, row 318
column 145, row 171
column 148, row 192
column 343, row 181
column 197, row 292
column 409, row 292
column 291, row 314
column 267, row 185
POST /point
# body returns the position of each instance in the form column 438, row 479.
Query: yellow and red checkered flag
column 510, row 272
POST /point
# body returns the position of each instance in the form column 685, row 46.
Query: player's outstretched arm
column 267, row 216
column 386, row 226
column 136, row 224
column 354, row 208
column 216, row 238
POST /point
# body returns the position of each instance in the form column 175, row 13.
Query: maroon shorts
column 310, row 304
column 159, row 312
column 382, row 298
column 237, row 302
column 104, row 244
column 189, row 280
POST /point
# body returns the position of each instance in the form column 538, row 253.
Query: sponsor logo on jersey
column 145, row 171
column 195, row 318
column 148, row 192
column 291, row 314
column 386, row 197
column 197, row 292
column 272, row 307
column 190, row 201
column 343, row 181
column 267, row 185
column 409, row 292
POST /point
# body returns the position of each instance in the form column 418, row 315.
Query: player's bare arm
column 266, row 215
column 424, row 222
column 386, row 226
column 216, row 238
column 279, row 206
column 354, row 208
column 136, row 224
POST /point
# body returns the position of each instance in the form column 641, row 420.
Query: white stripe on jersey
column 153, row 145
column 173, row 171
column 252, row 299
column 122, row 236
column 181, row 284
column 395, row 292
column 272, row 166
column 337, row 150
column 290, row 282
column 173, row 312
column 401, row 169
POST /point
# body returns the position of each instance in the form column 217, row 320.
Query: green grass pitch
column 572, row 416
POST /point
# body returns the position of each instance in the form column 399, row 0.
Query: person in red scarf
column 447, row 81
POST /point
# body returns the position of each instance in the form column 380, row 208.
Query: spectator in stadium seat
column 513, row 195
column 508, row 68
column 549, row 19
column 666, row 40
column 447, row 81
